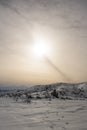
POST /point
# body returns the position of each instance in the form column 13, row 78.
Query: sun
column 40, row 47
column 40, row 50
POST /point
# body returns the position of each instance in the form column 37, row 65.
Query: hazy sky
column 62, row 24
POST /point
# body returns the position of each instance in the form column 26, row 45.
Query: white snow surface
column 43, row 114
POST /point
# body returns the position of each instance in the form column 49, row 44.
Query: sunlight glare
column 40, row 50
column 40, row 47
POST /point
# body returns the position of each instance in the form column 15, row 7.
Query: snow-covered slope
column 58, row 90
column 43, row 115
column 19, row 112
column 78, row 90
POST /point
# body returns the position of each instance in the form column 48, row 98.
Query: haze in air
column 61, row 25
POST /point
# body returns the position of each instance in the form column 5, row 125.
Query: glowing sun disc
column 40, row 50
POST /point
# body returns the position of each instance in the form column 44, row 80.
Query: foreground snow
column 43, row 115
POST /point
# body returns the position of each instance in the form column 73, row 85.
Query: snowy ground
column 43, row 115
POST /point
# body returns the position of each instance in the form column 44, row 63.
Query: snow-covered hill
column 23, row 112
column 63, row 89
column 57, row 90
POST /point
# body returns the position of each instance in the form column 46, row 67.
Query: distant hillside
column 11, row 87
column 58, row 86
column 58, row 90
column 63, row 90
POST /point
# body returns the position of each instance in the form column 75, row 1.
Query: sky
column 59, row 24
